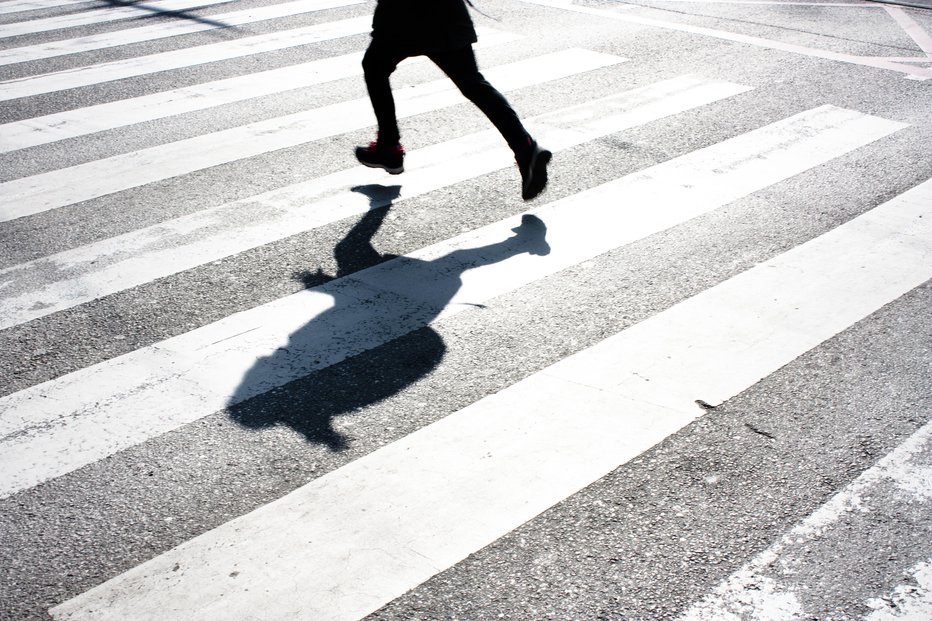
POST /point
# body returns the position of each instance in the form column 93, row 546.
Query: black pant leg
column 460, row 66
column 378, row 63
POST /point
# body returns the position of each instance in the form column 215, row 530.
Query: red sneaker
column 379, row 155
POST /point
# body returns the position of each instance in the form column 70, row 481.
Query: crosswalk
column 84, row 18
column 377, row 377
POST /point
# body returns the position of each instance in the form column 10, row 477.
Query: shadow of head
column 310, row 405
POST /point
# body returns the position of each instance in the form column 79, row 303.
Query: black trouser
column 459, row 64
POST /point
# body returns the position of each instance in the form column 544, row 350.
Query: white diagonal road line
column 775, row 44
column 99, row 15
column 58, row 426
column 354, row 539
column 764, row 588
column 912, row 28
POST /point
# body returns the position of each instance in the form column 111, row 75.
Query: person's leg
column 386, row 152
column 460, row 65
column 378, row 63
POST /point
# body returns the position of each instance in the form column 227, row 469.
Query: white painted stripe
column 163, row 30
column 63, row 424
column 73, row 123
column 916, row 72
column 773, row 3
column 111, row 115
column 38, row 193
column 755, row 591
column 100, row 15
column 912, row 28
column 351, row 541
column 73, row 277
column 18, row 6
column 906, row 59
column 179, row 59
column 908, row 602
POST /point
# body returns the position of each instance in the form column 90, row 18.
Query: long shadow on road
column 147, row 10
column 393, row 329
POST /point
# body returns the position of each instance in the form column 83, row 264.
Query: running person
column 443, row 31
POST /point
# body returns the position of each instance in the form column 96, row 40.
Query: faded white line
column 912, row 28
column 351, row 541
column 905, row 59
column 163, row 30
column 51, row 190
column 911, row 601
column 739, row 38
column 60, row 425
column 99, row 15
column 34, row 5
column 905, row 476
column 773, row 3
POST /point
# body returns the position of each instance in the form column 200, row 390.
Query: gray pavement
column 651, row 539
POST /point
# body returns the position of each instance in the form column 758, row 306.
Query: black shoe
column 379, row 155
column 534, row 171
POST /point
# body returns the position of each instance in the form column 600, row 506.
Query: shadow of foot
column 531, row 235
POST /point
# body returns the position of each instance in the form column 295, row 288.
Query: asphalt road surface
column 244, row 378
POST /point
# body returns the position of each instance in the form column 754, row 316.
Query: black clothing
column 443, row 31
column 420, row 26
column 460, row 66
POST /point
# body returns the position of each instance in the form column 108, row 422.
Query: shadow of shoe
column 379, row 195
column 531, row 235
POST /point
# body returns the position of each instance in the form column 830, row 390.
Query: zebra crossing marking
column 910, row 601
column 356, row 538
column 913, row 29
column 58, row 188
column 755, row 590
column 77, row 276
column 18, row 6
column 164, row 30
column 179, row 59
column 60, row 425
column 921, row 73
column 112, row 115
column 99, row 15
